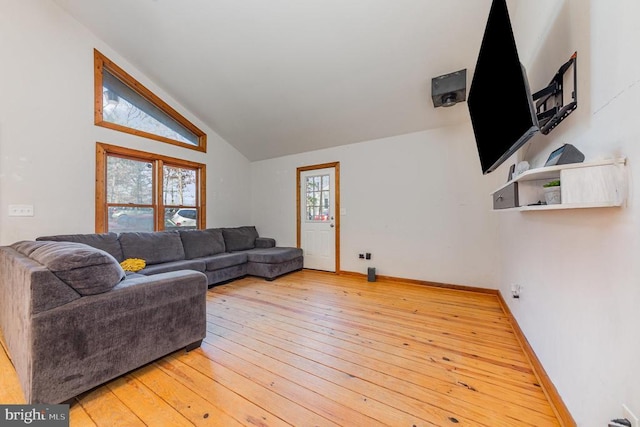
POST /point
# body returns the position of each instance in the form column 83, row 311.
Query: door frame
column 336, row 167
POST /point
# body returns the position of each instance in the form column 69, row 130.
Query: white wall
column 47, row 135
column 417, row 202
column 579, row 269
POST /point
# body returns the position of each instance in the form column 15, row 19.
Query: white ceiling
column 281, row 77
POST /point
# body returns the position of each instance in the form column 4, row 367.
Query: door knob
column 331, row 225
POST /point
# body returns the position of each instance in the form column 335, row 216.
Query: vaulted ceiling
column 280, row 77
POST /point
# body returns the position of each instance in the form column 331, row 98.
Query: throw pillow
column 133, row 264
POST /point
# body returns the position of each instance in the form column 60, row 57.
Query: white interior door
column 317, row 218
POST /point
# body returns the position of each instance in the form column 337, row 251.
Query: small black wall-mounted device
column 565, row 155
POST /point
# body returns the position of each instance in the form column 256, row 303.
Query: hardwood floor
column 316, row 349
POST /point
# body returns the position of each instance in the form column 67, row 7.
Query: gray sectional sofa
column 222, row 254
column 72, row 319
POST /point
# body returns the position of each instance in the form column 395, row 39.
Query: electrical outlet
column 515, row 290
column 626, row 413
column 361, row 256
column 20, row 210
column 367, row 255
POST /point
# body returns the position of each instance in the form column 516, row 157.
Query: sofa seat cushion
column 153, row 247
column 185, row 264
column 240, row 238
column 273, row 255
column 202, row 243
column 87, row 270
column 225, row 260
column 107, row 242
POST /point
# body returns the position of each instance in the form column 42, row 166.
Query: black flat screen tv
column 500, row 103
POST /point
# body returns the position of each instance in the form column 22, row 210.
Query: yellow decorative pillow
column 133, row 264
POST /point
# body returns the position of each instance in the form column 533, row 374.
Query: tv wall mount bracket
column 550, row 107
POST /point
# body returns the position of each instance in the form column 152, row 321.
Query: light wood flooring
column 316, row 349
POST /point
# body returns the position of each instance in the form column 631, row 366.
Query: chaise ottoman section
column 273, row 262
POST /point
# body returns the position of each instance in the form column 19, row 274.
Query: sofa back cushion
column 107, row 242
column 240, row 238
column 202, row 243
column 86, row 269
column 153, row 247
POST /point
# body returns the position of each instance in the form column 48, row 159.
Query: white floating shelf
column 553, row 172
column 599, row 184
column 559, row 206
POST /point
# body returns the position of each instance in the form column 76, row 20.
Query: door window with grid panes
column 317, row 198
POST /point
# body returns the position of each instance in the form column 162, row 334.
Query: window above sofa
column 140, row 191
column 124, row 104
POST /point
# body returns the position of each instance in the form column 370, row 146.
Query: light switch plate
column 20, row 210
